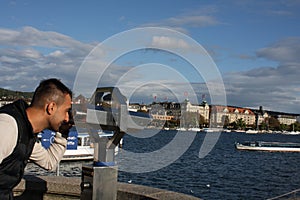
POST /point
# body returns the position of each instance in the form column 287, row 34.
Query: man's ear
column 51, row 108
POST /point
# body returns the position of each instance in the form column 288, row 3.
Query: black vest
column 12, row 167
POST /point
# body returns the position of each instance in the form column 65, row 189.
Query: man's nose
column 67, row 117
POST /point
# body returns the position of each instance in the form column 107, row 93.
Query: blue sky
column 254, row 44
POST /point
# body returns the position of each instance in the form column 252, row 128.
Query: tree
column 202, row 122
column 294, row 127
column 283, row 127
column 240, row 124
column 225, row 121
column 264, row 126
column 274, row 124
column 297, row 126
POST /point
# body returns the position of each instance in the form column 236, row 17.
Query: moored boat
column 194, row 129
column 83, row 151
column 268, row 146
column 251, row 131
column 212, row 130
column 79, row 145
column 181, row 129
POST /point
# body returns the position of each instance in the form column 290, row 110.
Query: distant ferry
column 268, row 146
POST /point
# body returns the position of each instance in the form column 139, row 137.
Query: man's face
column 61, row 114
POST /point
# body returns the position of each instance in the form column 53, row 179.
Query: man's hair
column 50, row 90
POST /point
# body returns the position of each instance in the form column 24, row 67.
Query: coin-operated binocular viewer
column 106, row 111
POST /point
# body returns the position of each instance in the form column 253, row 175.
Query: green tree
column 274, row 124
column 264, row 126
column 284, row 127
column 240, row 124
column 297, row 126
column 294, row 127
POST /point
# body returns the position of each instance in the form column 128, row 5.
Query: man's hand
column 65, row 127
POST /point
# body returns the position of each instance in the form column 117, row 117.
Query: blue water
column 225, row 173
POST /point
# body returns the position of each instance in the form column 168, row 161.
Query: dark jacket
column 12, row 167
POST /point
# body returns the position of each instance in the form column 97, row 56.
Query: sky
column 250, row 49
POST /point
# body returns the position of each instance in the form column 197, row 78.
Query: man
column 19, row 126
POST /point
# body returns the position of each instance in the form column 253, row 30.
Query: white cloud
column 32, row 37
column 285, row 50
column 56, row 53
column 7, row 36
column 25, row 57
column 191, row 21
column 169, row 42
column 275, row 88
column 196, row 18
column 7, row 59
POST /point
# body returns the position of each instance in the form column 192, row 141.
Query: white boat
column 79, row 145
column 251, row 131
column 208, row 130
column 181, row 129
column 268, row 146
column 194, row 129
column 211, row 130
column 83, row 151
column 238, row 131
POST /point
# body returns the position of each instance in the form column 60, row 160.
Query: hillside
column 10, row 94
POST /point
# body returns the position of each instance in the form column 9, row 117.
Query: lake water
column 225, row 173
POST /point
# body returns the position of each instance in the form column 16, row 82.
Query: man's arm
column 49, row 158
column 8, row 135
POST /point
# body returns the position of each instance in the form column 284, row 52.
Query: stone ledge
column 132, row 191
column 58, row 187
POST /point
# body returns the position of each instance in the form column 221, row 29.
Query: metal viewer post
column 109, row 111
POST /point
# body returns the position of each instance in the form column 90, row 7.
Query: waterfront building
column 202, row 109
column 80, row 99
column 283, row 118
column 162, row 117
column 188, row 114
column 261, row 116
column 286, row 119
column 166, row 108
column 192, row 114
column 219, row 115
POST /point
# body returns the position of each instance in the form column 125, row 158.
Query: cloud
column 169, row 42
column 196, row 18
column 279, row 12
column 285, row 50
column 29, row 36
column 275, row 88
column 30, row 55
column 191, row 21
